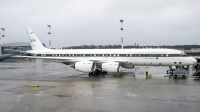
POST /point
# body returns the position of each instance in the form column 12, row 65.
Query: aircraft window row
column 112, row 55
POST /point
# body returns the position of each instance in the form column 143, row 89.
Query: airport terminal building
column 22, row 46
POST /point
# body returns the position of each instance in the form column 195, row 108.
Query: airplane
column 108, row 60
column 6, row 56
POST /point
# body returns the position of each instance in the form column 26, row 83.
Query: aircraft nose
column 193, row 60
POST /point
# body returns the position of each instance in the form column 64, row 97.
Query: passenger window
column 174, row 62
column 179, row 62
column 167, row 55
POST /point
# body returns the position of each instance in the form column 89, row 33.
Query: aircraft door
column 106, row 55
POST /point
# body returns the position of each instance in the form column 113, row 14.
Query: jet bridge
column 197, row 67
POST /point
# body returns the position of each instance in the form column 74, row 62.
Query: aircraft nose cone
column 194, row 60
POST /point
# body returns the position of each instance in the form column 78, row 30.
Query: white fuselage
column 128, row 57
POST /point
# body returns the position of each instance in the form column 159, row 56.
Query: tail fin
column 34, row 41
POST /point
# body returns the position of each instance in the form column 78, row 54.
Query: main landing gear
column 97, row 72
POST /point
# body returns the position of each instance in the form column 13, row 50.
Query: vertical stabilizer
column 34, row 41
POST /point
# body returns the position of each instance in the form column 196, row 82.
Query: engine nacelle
column 111, row 67
column 85, row 66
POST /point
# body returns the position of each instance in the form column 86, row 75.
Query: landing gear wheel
column 183, row 76
column 96, row 71
column 175, row 76
column 90, row 74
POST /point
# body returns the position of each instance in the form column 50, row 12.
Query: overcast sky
column 96, row 22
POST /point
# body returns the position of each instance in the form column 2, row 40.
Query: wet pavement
column 62, row 89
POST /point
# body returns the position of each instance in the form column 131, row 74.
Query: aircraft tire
column 96, row 71
column 183, row 76
column 175, row 76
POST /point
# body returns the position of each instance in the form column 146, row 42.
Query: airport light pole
column 49, row 35
column 3, row 29
column 122, row 39
column 0, row 34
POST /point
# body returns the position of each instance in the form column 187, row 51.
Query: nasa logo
column 32, row 40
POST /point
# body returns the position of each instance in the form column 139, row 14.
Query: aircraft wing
column 5, row 56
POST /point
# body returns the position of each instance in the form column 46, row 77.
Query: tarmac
column 63, row 89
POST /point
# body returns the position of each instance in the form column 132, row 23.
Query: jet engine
column 111, row 67
column 85, row 66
